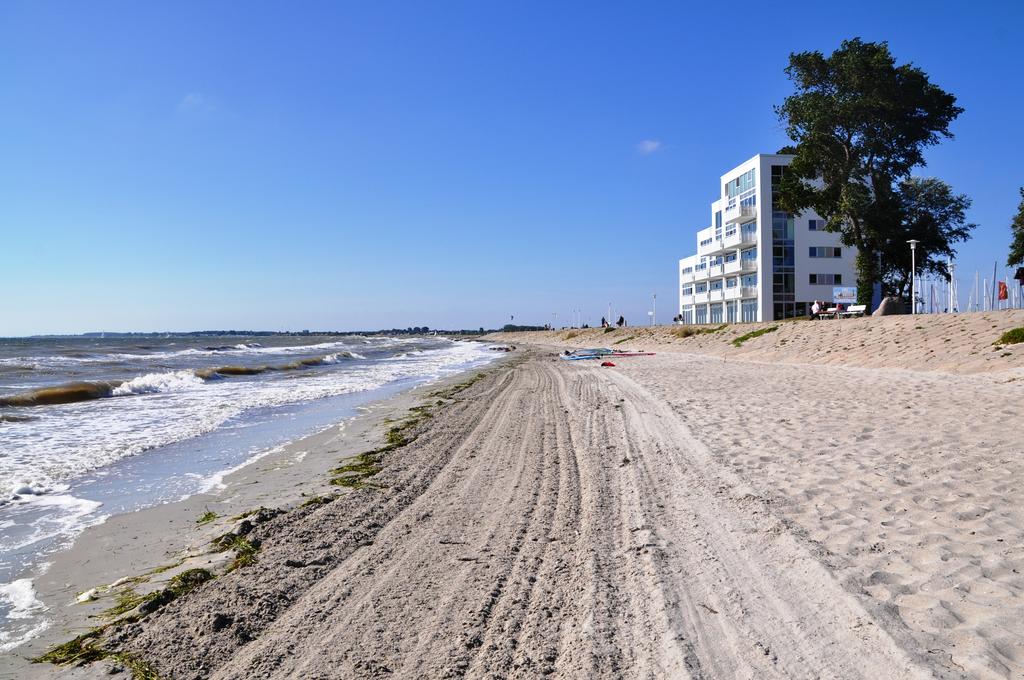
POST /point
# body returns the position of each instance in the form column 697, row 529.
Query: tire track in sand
column 578, row 530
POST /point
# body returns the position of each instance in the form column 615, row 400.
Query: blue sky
column 378, row 164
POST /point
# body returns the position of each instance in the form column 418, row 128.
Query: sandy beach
column 826, row 500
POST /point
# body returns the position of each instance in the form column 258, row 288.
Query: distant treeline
column 410, row 330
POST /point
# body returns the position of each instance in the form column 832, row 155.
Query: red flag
column 1004, row 294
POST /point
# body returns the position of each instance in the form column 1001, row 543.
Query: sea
column 91, row 427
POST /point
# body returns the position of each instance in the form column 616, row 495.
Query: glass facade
column 742, row 183
column 701, row 315
column 783, row 255
column 730, row 311
column 749, row 310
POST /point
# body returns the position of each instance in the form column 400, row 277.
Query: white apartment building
column 755, row 263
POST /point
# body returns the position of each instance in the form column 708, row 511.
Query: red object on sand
column 607, row 363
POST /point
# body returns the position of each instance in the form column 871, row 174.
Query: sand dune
column 957, row 343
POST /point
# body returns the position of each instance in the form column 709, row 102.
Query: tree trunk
column 867, row 275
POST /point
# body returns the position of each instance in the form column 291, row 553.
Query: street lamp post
column 913, row 275
column 654, row 316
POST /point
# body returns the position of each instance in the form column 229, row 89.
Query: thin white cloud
column 648, row 146
column 196, row 103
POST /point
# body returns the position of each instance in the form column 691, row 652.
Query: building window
column 730, row 283
column 716, row 313
column 749, row 311
column 716, row 285
column 718, row 218
column 702, row 315
column 816, row 225
column 744, row 182
column 730, row 257
column 749, row 254
column 826, row 279
column 730, row 312
column 688, row 290
column 686, row 270
column 825, row 251
column 688, row 316
column 702, row 287
column 707, row 241
column 749, row 281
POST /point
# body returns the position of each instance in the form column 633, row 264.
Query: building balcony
column 748, row 292
column 700, row 298
column 730, row 242
column 732, row 293
column 714, row 246
column 736, row 213
column 688, row 277
column 685, row 300
column 747, row 264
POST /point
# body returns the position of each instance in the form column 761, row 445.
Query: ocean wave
column 150, row 383
column 61, row 394
column 157, row 382
column 71, row 358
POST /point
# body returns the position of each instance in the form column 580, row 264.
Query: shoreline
column 168, row 535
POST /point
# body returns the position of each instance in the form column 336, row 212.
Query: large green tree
column 859, row 124
column 926, row 209
column 1017, row 229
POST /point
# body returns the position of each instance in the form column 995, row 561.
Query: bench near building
column 755, row 263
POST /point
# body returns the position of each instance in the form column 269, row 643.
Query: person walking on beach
column 604, row 322
column 815, row 310
column 621, row 322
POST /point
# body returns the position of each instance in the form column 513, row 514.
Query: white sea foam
column 19, row 604
column 69, row 440
column 158, row 382
column 215, row 482
column 72, row 516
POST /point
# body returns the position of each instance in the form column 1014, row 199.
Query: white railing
column 739, row 213
column 748, row 291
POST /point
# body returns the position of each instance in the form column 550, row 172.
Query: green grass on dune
column 1011, row 337
column 738, row 342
